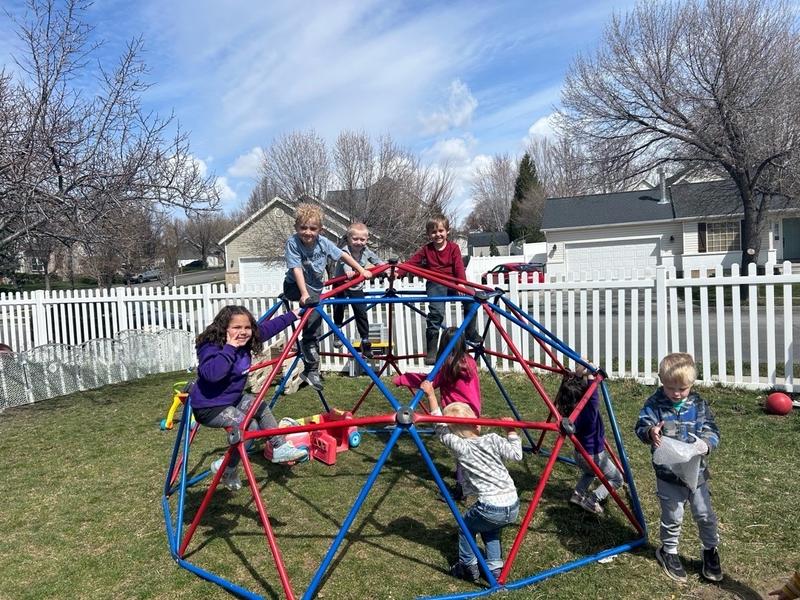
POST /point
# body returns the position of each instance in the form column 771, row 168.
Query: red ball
column 778, row 403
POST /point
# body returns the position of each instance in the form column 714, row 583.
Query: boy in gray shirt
column 307, row 254
column 357, row 237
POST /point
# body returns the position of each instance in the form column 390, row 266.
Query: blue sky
column 456, row 81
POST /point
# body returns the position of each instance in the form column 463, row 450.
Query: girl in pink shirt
column 457, row 381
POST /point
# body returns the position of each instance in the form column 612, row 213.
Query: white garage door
column 256, row 270
column 619, row 259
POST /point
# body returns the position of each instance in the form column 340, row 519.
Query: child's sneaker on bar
column 576, row 499
column 313, row 379
column 286, row 452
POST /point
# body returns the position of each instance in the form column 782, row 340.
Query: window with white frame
column 721, row 236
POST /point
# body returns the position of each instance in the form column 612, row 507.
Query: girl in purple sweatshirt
column 591, row 434
column 224, row 354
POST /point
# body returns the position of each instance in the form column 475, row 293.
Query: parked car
column 149, row 275
column 525, row 272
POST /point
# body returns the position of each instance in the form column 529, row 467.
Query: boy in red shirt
column 442, row 257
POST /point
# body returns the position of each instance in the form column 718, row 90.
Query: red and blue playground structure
column 337, row 429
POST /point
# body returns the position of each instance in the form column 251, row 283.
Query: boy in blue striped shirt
column 675, row 411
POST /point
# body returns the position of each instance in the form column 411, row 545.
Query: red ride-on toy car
column 322, row 445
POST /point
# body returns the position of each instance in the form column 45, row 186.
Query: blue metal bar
column 168, row 524
column 362, row 495
column 623, row 457
column 184, row 469
column 174, row 458
column 272, row 310
column 505, row 395
column 576, row 563
column 363, row 363
column 224, row 583
column 284, row 380
column 447, row 350
column 452, row 505
column 551, row 340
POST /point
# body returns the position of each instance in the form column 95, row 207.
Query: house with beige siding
column 689, row 226
column 254, row 250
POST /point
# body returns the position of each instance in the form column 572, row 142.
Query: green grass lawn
column 81, row 514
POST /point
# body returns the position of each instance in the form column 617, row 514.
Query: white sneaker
column 230, row 478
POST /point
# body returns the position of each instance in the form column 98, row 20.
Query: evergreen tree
column 527, row 187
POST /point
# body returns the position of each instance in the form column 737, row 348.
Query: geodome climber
column 405, row 420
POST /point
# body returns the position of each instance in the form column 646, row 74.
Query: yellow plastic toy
column 179, row 395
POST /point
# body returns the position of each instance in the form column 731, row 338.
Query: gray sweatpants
column 672, row 498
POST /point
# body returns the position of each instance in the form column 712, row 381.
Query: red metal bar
column 258, row 434
column 599, row 474
column 204, row 504
column 530, row 363
column 526, row 521
column 262, row 514
column 522, row 362
column 179, row 462
column 547, row 349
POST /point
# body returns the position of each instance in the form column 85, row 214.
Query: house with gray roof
column 480, row 243
column 689, row 226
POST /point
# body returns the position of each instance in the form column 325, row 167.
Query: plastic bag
column 681, row 458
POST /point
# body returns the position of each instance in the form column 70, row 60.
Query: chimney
column 662, row 185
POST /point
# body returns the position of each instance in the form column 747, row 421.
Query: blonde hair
column 307, row 213
column 677, row 368
column 435, row 221
column 357, row 227
column 459, row 409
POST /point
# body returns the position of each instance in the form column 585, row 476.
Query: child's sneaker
column 286, row 452
column 672, row 565
column 230, row 478
column 337, row 342
column 366, row 349
column 576, row 499
column 589, row 503
column 712, row 570
column 465, row 572
column 313, row 379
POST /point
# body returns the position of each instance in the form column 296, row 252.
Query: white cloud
column 543, row 127
column 226, row 193
column 460, row 106
column 248, row 165
column 453, row 151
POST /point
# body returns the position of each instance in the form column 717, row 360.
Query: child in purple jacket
column 224, row 354
column 591, row 434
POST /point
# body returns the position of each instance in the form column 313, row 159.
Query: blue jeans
column 436, row 311
column 487, row 520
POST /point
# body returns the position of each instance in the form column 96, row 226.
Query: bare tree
column 264, row 191
column 69, row 159
column 388, row 188
column 297, row 163
column 713, row 83
column 203, row 231
column 492, row 190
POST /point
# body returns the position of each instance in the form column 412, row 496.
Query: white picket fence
column 624, row 325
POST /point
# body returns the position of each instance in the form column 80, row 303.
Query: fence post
column 40, row 336
column 122, row 312
column 661, row 312
column 208, row 310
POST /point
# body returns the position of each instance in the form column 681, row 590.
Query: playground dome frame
column 403, row 420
